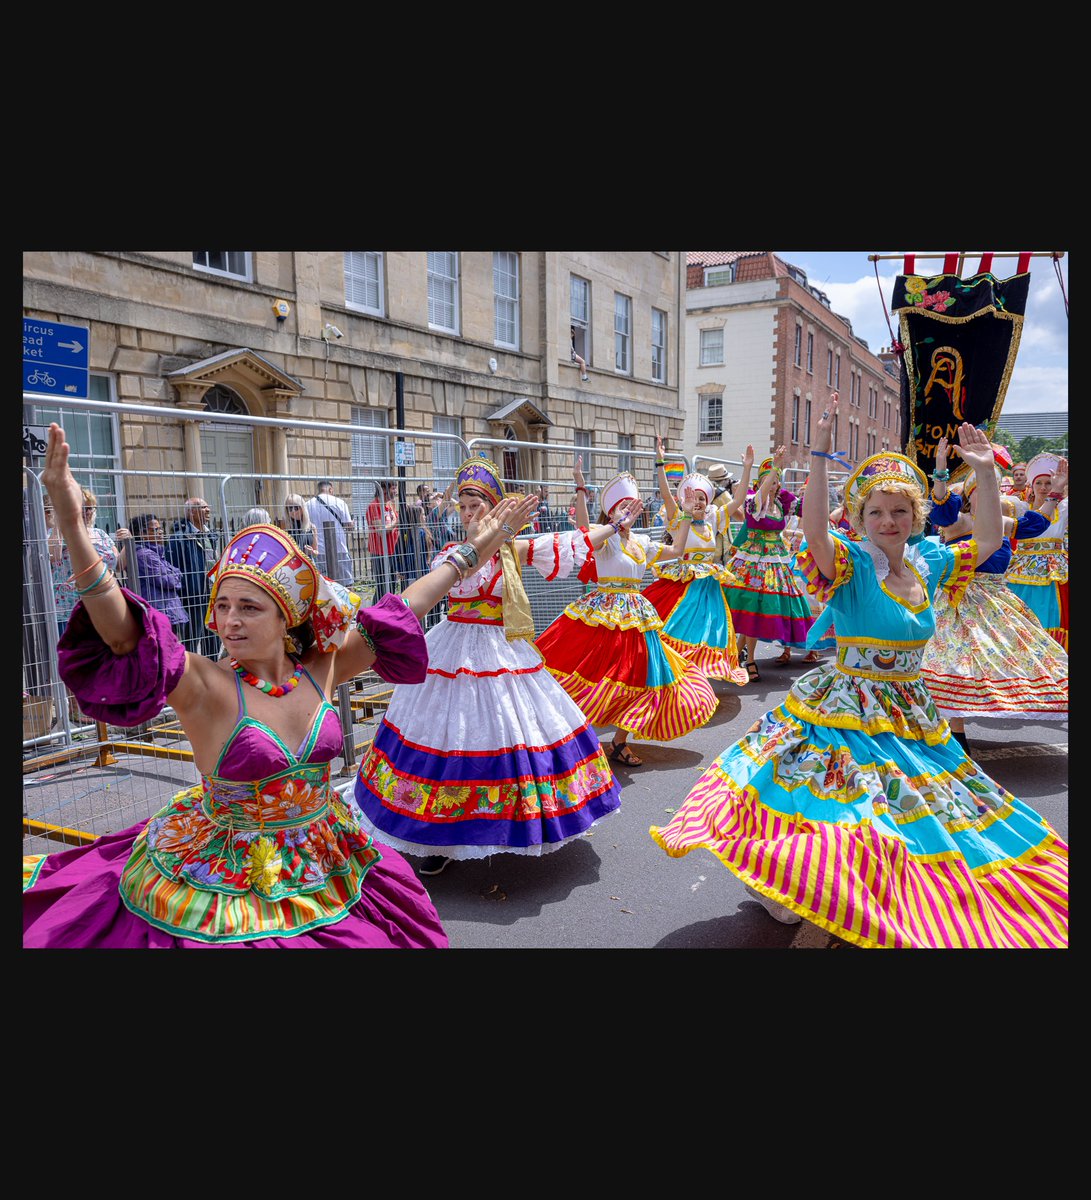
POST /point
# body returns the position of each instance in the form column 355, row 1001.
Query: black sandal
column 622, row 754
column 752, row 672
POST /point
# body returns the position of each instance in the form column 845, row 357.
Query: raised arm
column 816, row 507
column 738, row 497
column 941, row 474
column 106, row 606
column 582, row 515
column 771, row 484
column 665, row 492
column 977, row 452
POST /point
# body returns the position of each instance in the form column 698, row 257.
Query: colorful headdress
column 699, row 483
column 1041, row 464
column 764, row 467
column 1002, row 455
column 970, row 484
column 621, row 487
column 886, row 467
column 483, row 475
column 268, row 558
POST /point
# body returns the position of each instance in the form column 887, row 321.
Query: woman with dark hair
column 263, row 852
column 157, row 579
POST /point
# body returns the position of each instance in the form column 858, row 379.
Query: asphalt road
column 616, row 889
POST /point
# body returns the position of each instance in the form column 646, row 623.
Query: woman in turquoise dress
column 850, row 804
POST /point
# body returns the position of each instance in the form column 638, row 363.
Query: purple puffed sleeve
column 124, row 689
column 401, row 654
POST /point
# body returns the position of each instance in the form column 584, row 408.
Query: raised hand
column 626, row 513
column 975, row 447
column 780, row 454
column 748, row 457
column 58, row 480
column 1060, row 476
column 941, row 454
column 823, row 437
column 577, row 472
column 659, row 447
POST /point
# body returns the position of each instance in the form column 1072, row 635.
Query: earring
column 292, row 644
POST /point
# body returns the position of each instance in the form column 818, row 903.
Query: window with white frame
column 829, row 367
column 584, row 440
column 710, row 417
column 837, row 370
column 717, row 275
column 795, row 417
column 579, row 315
column 807, row 422
column 370, row 457
column 799, row 346
column 886, row 414
column 659, row 345
column 624, row 443
column 443, row 290
column 233, row 263
column 505, row 288
column 364, row 281
column 712, row 347
column 623, row 334
column 446, row 455
column 810, row 353
column 833, row 436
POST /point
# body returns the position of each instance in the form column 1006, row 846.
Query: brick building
column 763, row 351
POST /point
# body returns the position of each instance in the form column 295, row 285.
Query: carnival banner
column 960, row 338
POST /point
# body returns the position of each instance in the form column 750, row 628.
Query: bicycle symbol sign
column 56, row 358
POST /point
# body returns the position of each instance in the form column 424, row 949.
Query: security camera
column 334, row 330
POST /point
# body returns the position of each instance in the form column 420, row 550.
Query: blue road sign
column 56, row 358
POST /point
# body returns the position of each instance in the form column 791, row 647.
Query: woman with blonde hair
column 299, row 525
column 851, row 804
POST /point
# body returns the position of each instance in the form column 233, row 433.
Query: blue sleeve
column 947, row 512
column 1031, row 524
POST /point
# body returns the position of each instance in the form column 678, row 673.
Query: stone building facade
column 473, row 343
column 763, row 351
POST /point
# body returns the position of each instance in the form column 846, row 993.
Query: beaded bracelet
column 460, row 575
column 113, row 583
column 941, row 476
column 581, row 488
column 84, row 591
column 73, row 578
column 1055, row 496
column 660, row 462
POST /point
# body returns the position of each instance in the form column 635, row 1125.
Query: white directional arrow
column 75, row 347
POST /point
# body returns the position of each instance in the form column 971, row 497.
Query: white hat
column 699, row 483
column 1041, row 464
column 621, row 487
column 717, row 472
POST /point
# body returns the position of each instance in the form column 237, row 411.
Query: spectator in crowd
column 156, row 578
column 297, row 523
column 382, row 536
column 327, row 509
column 256, row 516
column 193, row 548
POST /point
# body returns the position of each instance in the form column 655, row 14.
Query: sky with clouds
column 1039, row 381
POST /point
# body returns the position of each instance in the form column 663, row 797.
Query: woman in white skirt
column 489, row 755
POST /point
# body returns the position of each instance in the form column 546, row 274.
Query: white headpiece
column 1041, row 464
column 699, row 483
column 621, row 487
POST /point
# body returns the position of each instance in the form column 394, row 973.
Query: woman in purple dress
column 766, row 599
column 263, row 852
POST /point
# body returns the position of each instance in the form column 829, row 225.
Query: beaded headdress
column 886, row 467
column 268, row 558
column 483, row 475
column 621, row 487
column 764, row 467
